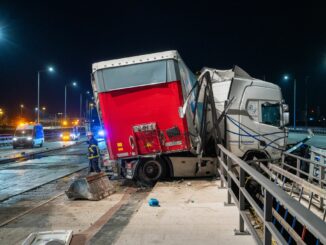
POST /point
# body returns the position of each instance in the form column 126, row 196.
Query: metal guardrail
column 303, row 130
column 318, row 177
column 5, row 139
column 311, row 180
column 227, row 164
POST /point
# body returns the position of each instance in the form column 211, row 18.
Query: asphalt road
column 16, row 178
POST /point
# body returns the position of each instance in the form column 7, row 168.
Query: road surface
column 16, row 178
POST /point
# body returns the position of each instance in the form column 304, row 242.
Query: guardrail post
column 229, row 165
column 268, row 216
column 242, row 180
column 222, row 171
column 321, row 178
column 298, row 167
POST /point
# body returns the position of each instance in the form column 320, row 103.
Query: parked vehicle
column 28, row 135
column 161, row 121
column 70, row 134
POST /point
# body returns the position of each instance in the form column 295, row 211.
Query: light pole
column 91, row 106
column 81, row 103
column 1, row 116
column 50, row 69
column 73, row 84
column 286, row 77
column 43, row 109
column 21, row 110
column 306, row 102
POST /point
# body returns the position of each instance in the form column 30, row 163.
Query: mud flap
column 94, row 187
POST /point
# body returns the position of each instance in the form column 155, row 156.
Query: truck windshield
column 24, row 133
column 271, row 114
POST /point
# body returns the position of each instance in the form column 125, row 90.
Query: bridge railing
column 235, row 172
column 53, row 134
column 303, row 130
column 5, row 139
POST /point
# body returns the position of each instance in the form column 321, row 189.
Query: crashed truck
column 162, row 121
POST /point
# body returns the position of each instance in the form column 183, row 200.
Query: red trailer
column 140, row 100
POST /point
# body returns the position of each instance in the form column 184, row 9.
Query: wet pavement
column 19, row 177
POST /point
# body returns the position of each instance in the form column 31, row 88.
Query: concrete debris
column 94, row 187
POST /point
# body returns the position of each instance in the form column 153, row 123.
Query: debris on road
column 153, row 202
column 95, row 187
column 59, row 237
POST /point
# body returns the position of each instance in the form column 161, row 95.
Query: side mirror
column 286, row 118
column 285, row 108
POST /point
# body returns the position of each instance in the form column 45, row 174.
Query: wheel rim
column 152, row 170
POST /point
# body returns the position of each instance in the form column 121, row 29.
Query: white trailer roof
column 172, row 54
column 25, row 127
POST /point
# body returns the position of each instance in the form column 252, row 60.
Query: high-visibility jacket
column 93, row 150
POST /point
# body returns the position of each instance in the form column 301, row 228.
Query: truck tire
column 150, row 171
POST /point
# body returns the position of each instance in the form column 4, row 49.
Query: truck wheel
column 150, row 171
column 41, row 145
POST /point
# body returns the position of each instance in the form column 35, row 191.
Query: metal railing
column 310, row 174
column 303, row 130
column 5, row 139
column 308, row 181
column 228, row 162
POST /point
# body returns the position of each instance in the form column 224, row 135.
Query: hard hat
column 89, row 133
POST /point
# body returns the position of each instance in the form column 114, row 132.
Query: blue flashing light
column 101, row 133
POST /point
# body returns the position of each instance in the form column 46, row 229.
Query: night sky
column 265, row 40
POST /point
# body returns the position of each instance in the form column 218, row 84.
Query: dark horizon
column 266, row 41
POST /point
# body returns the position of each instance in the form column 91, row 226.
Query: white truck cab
column 254, row 114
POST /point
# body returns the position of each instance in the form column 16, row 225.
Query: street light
column 21, row 110
column 49, row 69
column 87, row 93
column 286, row 78
column 74, row 84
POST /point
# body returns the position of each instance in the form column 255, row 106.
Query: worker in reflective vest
column 93, row 153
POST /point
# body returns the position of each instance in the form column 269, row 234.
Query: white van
column 28, row 135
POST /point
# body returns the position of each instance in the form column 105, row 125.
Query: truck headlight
column 29, row 138
column 14, row 139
